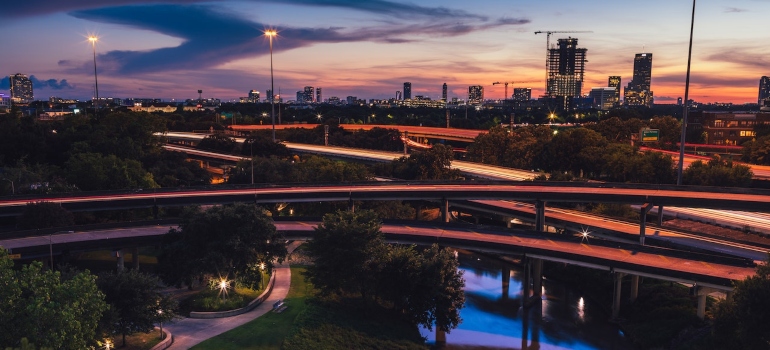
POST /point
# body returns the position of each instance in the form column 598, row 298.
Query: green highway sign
column 650, row 135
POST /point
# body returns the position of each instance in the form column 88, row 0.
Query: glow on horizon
column 727, row 59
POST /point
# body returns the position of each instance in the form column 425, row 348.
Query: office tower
column 253, row 96
column 475, row 94
column 604, row 97
column 638, row 93
column 566, row 66
column 443, row 92
column 269, row 96
column 764, row 89
column 614, row 81
column 522, row 94
column 309, row 94
column 21, row 88
column 398, row 95
column 407, row 90
column 679, row 101
column 318, row 95
column 300, row 96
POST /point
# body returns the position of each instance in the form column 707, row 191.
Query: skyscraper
column 308, row 96
column 443, row 92
column 253, row 96
column 407, row 90
column 318, row 97
column 398, row 95
column 566, row 66
column 475, row 94
column 522, row 94
column 638, row 93
column 21, row 88
column 614, row 81
column 764, row 89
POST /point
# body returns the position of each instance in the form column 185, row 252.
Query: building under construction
column 566, row 66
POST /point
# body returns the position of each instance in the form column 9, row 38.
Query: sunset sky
column 170, row 49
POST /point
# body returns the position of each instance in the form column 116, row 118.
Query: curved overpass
column 529, row 191
column 716, row 272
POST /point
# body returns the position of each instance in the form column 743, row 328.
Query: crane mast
column 511, row 82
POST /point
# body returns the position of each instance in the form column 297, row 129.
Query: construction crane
column 512, row 82
column 548, row 46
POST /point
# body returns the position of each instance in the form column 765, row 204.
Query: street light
column 223, row 285
column 93, row 40
column 270, row 33
column 686, row 98
column 262, row 275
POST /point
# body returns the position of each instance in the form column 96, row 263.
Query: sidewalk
column 188, row 332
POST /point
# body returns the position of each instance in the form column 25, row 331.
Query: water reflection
column 494, row 315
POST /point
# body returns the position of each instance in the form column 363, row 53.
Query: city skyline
column 369, row 49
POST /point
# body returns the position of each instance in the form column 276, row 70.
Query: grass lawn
column 138, row 341
column 269, row 330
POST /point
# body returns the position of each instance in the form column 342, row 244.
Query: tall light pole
column 686, row 99
column 93, row 40
column 270, row 33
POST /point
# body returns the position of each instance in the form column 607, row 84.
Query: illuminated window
column 748, row 133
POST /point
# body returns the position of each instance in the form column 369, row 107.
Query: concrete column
column 537, row 277
column 616, row 294
column 539, row 215
column 445, row 210
column 506, row 282
column 525, row 283
column 351, row 205
column 417, row 210
column 702, row 305
column 135, row 257
column 634, row 293
column 525, row 328
column 119, row 255
column 508, row 222
column 440, row 338
column 660, row 215
column 643, row 221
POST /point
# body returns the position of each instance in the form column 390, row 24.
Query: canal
column 565, row 319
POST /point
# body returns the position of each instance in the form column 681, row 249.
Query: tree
column 757, row 151
column 44, row 215
column 435, row 163
column 41, row 305
column 227, row 241
column 741, row 322
column 218, row 142
column 346, row 249
column 261, row 144
column 136, row 302
column 94, row 171
column 717, row 173
column 442, row 291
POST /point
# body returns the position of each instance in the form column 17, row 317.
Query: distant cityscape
column 565, row 69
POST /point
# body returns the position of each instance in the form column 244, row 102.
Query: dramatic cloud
column 5, row 83
column 16, row 9
column 50, row 83
column 227, row 37
column 742, row 57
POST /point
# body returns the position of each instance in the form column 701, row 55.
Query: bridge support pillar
column 506, row 282
column 445, row 210
column 440, row 338
column 525, row 283
column 643, row 221
column 702, row 293
column 616, row 294
column 121, row 259
column 660, row 215
column 508, row 223
column 537, row 277
column 135, row 258
column 351, row 205
column 539, row 216
column 634, row 293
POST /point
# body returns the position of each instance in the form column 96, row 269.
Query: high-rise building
column 443, row 92
column 764, row 89
column 318, row 97
column 398, row 95
column 522, row 94
column 269, row 96
column 603, row 97
column 614, row 81
column 407, row 90
column 678, row 101
column 21, row 88
column 308, row 94
column 638, row 92
column 475, row 94
column 5, row 102
column 566, row 66
column 253, row 96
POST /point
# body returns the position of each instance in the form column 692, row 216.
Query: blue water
column 565, row 319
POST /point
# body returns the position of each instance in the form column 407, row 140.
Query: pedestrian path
column 188, row 332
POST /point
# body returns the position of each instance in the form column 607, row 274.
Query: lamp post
column 93, row 40
column 686, row 99
column 270, row 33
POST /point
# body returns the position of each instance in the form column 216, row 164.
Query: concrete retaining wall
column 243, row 310
column 168, row 339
